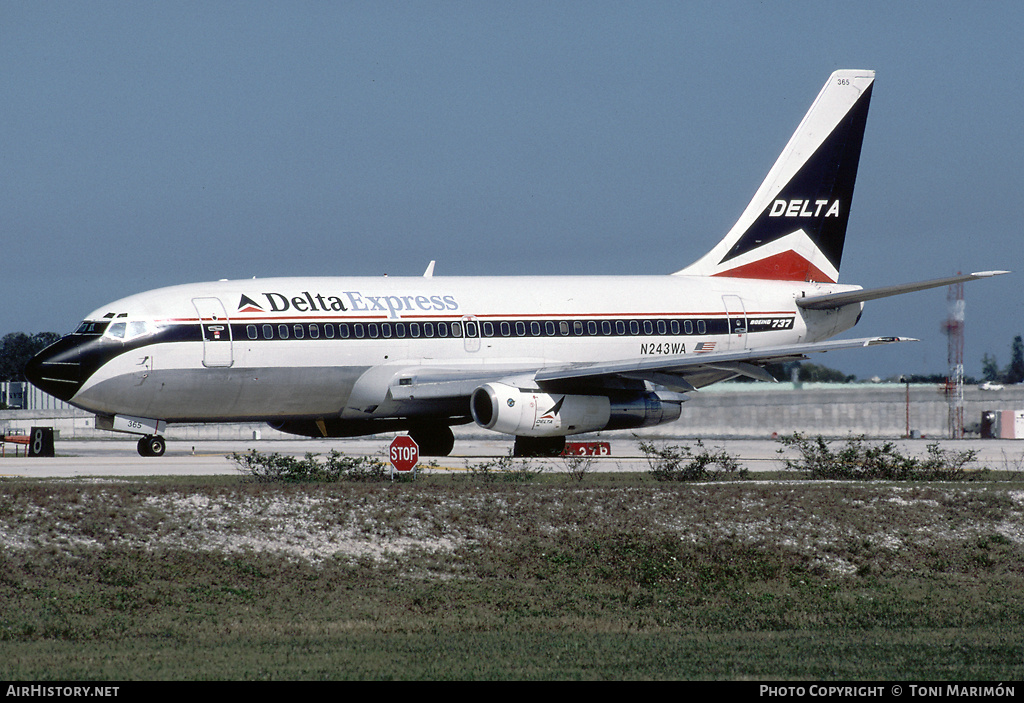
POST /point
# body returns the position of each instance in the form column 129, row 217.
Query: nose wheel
column 152, row 445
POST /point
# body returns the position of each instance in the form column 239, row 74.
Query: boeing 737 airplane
column 538, row 358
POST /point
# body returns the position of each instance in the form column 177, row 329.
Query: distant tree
column 17, row 348
column 938, row 378
column 812, row 373
column 1015, row 371
column 989, row 368
column 809, row 373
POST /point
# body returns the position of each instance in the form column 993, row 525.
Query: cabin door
column 736, row 318
column 213, row 320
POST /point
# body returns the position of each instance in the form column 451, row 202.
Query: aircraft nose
column 58, row 369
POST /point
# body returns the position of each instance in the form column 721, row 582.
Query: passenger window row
column 472, row 328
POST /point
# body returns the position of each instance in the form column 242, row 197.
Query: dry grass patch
column 514, row 580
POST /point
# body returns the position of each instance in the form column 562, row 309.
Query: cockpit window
column 91, row 327
column 126, row 331
column 137, row 329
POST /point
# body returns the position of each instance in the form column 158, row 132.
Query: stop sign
column 404, row 453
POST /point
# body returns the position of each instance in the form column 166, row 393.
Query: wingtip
column 889, row 340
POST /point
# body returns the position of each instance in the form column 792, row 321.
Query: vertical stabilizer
column 795, row 225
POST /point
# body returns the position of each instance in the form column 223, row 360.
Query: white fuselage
column 338, row 347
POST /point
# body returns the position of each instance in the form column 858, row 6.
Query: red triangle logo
column 247, row 304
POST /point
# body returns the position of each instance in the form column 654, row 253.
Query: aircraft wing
column 679, row 372
column 688, row 372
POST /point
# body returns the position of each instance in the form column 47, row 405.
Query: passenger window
column 251, row 331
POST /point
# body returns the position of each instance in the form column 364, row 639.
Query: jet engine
column 528, row 413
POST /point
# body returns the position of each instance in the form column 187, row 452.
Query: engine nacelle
column 504, row 408
column 526, row 413
column 633, row 410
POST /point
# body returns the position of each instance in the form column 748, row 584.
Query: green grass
column 451, row 578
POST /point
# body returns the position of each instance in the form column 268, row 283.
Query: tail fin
column 794, row 227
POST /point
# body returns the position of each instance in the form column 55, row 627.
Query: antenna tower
column 954, row 329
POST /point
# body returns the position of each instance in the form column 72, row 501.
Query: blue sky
column 149, row 144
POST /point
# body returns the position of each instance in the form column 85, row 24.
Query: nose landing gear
column 152, row 445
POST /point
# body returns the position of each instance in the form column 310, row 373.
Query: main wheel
column 433, row 440
column 152, row 445
column 538, row 446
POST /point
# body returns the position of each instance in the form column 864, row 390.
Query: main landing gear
column 152, row 445
column 538, row 446
column 433, row 440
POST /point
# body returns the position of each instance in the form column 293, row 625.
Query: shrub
column 675, row 463
column 266, row 468
column 859, row 460
column 504, row 469
column 577, row 466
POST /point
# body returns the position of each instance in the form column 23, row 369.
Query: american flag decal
column 704, row 347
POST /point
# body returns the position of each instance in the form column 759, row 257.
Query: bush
column 674, row 463
column 577, row 466
column 859, row 460
column 278, row 468
column 504, row 469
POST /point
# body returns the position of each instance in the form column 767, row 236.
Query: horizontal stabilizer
column 838, row 300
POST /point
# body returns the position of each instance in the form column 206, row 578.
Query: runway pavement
column 120, row 458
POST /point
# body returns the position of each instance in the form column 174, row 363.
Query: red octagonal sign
column 404, row 453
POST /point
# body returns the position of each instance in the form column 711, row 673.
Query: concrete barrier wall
column 759, row 410
column 725, row 410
